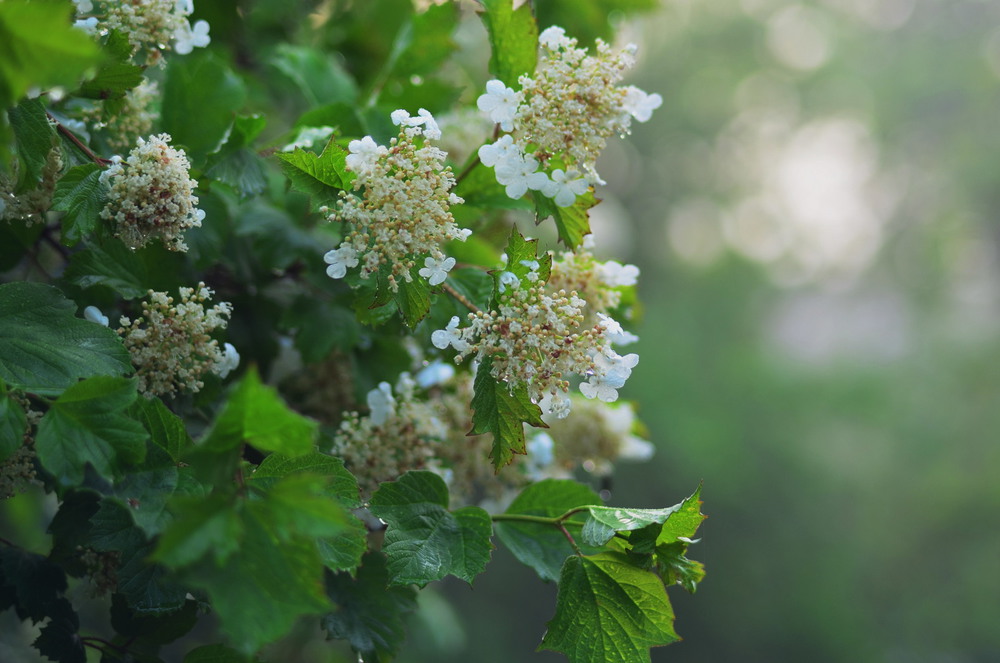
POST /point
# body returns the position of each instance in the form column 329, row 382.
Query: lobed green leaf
column 572, row 222
column 502, row 410
column 424, row 541
column 513, row 39
column 88, row 424
column 80, row 194
column 45, row 348
column 609, row 610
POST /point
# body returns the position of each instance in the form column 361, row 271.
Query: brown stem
column 468, row 169
column 462, row 299
column 100, row 161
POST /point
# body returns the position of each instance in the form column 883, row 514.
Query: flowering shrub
column 292, row 356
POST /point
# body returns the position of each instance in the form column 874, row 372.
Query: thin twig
column 462, row 299
column 100, row 161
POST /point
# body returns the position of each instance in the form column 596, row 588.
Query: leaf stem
column 71, row 137
column 468, row 169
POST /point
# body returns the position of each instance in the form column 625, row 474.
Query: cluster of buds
column 30, row 206
column 560, row 120
column 403, row 213
column 149, row 25
column 171, row 345
column 539, row 338
column 595, row 436
column 400, row 433
column 150, row 194
column 132, row 118
column 598, row 283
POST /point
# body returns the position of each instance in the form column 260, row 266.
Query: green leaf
column 236, row 164
column 39, row 47
column 609, row 610
column 35, row 138
column 80, row 194
column 45, row 348
column 201, row 527
column 424, row 42
column 318, row 76
column 13, row 424
column 299, row 505
column 522, row 257
column 676, row 569
column 320, row 329
column 152, row 629
column 424, row 541
column 113, row 266
column 146, row 586
column 342, row 485
column 255, row 414
column 502, row 411
column 87, row 424
column 685, row 522
column 200, row 86
column 112, row 81
column 165, row 428
column 38, row 583
column 59, row 640
column 262, row 589
column 146, row 489
column 369, row 614
column 538, row 545
column 322, row 177
column 413, row 299
column 603, row 521
column 513, row 39
column 572, row 222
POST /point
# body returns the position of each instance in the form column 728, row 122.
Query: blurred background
column 814, row 210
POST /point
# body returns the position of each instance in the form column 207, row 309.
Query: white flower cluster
column 150, row 194
column 560, row 120
column 404, row 212
column 594, row 436
column 132, row 119
column 538, row 338
column 400, row 434
column 598, row 283
column 170, row 343
column 147, row 24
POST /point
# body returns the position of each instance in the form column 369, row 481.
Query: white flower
column 339, row 260
column 500, row 102
column 308, row 136
column 610, row 375
column 182, row 6
column 506, row 279
column 635, row 448
column 430, row 130
column 88, row 25
column 94, row 314
column 186, row 38
column 436, row 271
column 565, row 187
column 615, row 275
column 435, row 373
column 519, row 173
column 614, row 332
column 230, row 360
column 381, row 403
column 364, row 154
column 498, row 152
column 450, row 335
column 640, row 105
column 554, row 38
